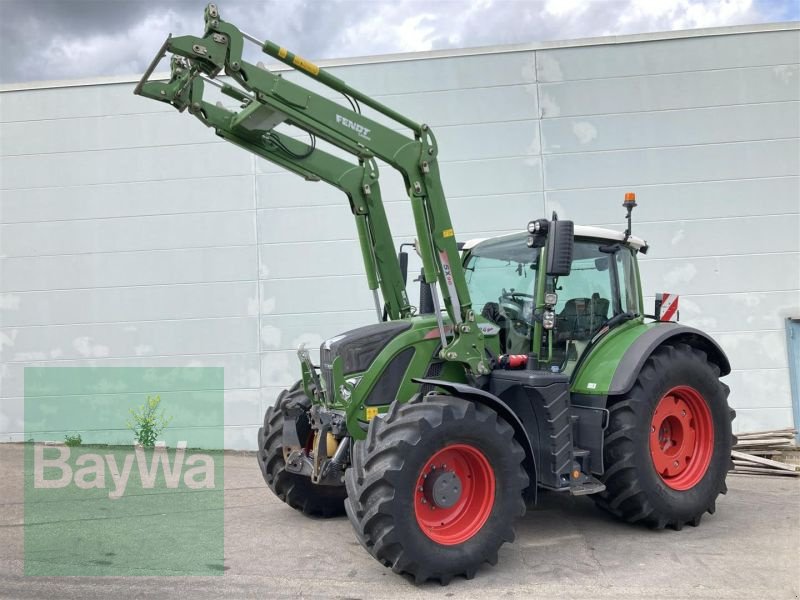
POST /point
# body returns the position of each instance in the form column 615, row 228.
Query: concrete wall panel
column 170, row 196
column 130, row 236
column 671, row 91
column 701, row 53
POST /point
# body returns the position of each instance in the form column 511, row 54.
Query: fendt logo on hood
column 359, row 129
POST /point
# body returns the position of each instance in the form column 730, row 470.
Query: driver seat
column 582, row 317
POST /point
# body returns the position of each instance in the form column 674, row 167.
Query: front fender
column 611, row 368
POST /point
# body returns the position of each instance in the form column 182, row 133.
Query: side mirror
column 560, row 244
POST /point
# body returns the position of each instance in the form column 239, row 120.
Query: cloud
column 62, row 39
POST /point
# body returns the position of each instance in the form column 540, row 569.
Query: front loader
column 529, row 364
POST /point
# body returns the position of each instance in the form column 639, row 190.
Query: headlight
column 548, row 319
column 551, row 299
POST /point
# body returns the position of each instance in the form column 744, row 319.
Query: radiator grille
column 326, row 371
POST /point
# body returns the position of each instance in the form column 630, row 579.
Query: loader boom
column 358, row 182
column 269, row 100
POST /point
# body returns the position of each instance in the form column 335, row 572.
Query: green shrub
column 72, row 439
column 148, row 423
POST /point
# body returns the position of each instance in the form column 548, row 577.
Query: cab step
column 592, row 486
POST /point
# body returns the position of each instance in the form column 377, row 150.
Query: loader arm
column 359, row 182
column 271, row 100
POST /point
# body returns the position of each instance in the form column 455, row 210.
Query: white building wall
column 131, row 236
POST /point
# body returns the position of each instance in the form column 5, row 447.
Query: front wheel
column 668, row 442
column 435, row 488
column 298, row 491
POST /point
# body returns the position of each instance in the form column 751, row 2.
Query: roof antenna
column 630, row 203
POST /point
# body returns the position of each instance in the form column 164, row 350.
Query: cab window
column 589, row 296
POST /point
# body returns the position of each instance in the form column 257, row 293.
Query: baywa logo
column 88, row 470
column 123, row 471
column 359, row 129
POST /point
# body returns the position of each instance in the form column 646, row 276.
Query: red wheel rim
column 454, row 494
column 681, row 437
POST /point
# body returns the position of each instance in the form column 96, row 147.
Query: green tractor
column 529, row 363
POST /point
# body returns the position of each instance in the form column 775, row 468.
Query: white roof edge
column 582, row 231
column 470, row 244
column 603, row 233
column 410, row 56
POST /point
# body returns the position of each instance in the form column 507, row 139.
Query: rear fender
column 612, row 367
column 657, row 335
column 473, row 394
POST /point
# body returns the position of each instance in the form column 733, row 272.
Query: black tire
column 297, row 491
column 635, row 491
column 382, row 486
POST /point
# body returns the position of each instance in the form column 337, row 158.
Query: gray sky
column 67, row 39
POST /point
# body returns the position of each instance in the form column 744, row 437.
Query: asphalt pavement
column 565, row 548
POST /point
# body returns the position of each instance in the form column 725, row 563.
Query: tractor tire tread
column 379, row 459
column 626, row 497
column 320, row 501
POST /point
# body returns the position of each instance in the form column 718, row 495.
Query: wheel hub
column 442, row 488
column 454, row 494
column 681, row 437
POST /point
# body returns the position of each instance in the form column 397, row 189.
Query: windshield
column 501, row 275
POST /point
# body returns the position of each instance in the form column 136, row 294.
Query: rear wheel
column 297, row 491
column 435, row 488
column 668, row 443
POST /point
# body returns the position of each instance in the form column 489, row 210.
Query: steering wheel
column 520, row 294
column 513, row 305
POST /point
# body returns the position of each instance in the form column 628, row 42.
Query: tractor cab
column 503, row 275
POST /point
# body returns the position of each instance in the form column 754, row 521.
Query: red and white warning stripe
column 669, row 307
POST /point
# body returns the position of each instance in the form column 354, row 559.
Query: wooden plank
column 785, row 430
column 764, row 471
column 762, row 451
column 777, row 442
column 766, row 436
column 763, row 461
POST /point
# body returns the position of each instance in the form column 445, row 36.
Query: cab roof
column 581, row 231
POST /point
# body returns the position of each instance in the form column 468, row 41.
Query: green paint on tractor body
column 597, row 370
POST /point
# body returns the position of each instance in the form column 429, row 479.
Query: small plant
column 148, row 423
column 72, row 439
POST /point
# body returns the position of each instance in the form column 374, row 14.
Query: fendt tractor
column 529, row 363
